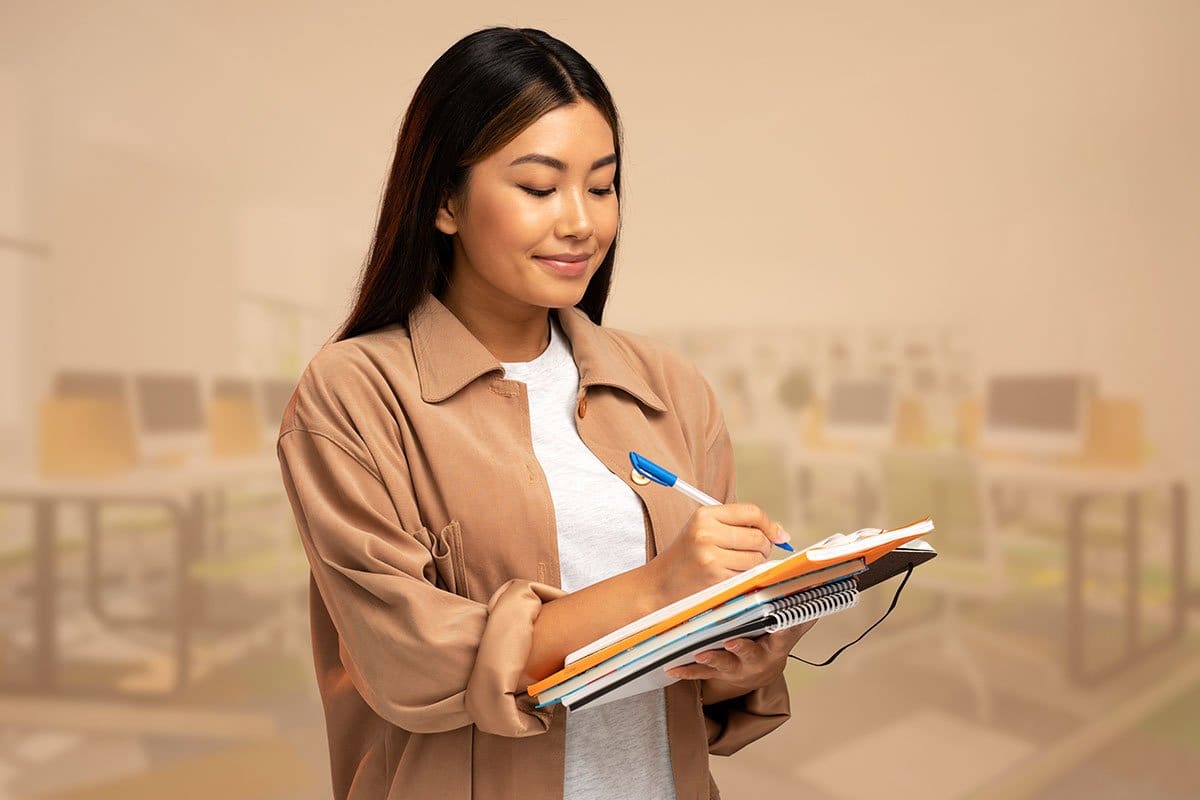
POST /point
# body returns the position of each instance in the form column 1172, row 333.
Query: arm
column 733, row 717
column 372, row 566
column 569, row 622
column 375, row 578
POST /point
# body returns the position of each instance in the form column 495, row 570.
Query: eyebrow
column 549, row 161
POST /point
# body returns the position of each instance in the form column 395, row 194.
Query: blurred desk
column 1080, row 485
column 186, row 491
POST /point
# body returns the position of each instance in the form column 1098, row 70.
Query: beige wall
column 1020, row 168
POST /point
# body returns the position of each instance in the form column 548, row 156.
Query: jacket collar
column 449, row 356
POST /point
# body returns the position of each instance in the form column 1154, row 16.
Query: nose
column 573, row 219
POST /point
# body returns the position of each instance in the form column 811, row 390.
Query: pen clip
column 651, row 470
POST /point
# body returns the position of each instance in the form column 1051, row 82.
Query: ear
column 446, row 220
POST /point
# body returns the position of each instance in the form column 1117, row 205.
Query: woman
column 457, row 462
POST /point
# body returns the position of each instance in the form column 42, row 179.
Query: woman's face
column 556, row 200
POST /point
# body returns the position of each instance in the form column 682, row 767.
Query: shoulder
column 349, row 385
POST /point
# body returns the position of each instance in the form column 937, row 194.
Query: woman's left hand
column 745, row 664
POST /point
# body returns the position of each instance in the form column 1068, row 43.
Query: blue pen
column 659, row 475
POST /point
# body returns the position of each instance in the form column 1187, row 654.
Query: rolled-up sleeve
column 736, row 722
column 423, row 658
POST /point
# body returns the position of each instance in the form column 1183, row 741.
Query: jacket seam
column 716, row 434
column 374, row 474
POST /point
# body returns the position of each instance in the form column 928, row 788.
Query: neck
column 511, row 332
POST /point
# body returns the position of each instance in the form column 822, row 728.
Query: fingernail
column 702, row 659
column 784, row 535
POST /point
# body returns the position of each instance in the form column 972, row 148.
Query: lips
column 569, row 268
column 566, row 256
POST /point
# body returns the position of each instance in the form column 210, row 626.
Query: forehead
column 577, row 134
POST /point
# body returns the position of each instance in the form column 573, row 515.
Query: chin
column 563, row 296
column 561, row 301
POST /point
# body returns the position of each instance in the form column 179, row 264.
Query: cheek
column 606, row 220
column 509, row 222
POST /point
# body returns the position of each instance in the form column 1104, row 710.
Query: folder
column 741, row 608
column 849, row 557
column 647, row 669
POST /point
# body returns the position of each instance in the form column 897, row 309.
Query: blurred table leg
column 93, row 571
column 45, row 594
column 190, row 529
column 1179, row 566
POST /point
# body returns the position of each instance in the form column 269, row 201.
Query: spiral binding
column 788, row 601
column 838, row 597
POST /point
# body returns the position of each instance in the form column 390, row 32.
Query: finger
column 783, row 641
column 693, row 672
column 720, row 660
column 741, row 560
column 747, row 515
column 750, row 651
column 747, row 539
column 744, row 515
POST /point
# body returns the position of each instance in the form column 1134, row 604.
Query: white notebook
column 646, row 670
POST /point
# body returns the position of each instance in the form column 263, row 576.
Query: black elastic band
column 895, row 599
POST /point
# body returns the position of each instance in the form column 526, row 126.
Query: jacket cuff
column 734, row 723
column 493, row 700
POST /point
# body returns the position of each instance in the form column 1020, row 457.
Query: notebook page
column 667, row 611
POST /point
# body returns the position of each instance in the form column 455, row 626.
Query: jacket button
column 637, row 477
column 582, row 408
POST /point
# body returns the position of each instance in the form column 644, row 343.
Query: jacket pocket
column 448, row 558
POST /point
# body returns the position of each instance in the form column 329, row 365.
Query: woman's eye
column 545, row 192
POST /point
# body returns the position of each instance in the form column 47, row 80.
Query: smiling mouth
column 565, row 267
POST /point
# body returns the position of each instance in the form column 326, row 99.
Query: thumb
column 783, row 641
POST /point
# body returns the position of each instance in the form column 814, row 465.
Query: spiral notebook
column 748, row 606
column 864, row 549
column 645, row 670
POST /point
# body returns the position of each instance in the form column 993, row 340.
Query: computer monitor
column 1040, row 414
column 233, row 388
column 91, row 383
column 170, row 418
column 861, row 411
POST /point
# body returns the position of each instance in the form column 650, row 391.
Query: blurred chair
column 813, row 425
column 912, row 428
column 968, row 423
column 86, row 426
column 1115, row 436
column 763, row 478
column 946, row 486
column 234, row 419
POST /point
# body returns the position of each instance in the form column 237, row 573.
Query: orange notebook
column 828, row 553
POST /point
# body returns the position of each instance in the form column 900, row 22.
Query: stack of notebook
column 819, row 580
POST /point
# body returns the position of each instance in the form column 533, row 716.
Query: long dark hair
column 478, row 96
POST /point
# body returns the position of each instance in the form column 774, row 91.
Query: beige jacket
column 430, row 532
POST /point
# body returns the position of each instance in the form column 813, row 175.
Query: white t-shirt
column 619, row 748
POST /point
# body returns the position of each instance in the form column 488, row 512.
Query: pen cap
column 651, row 470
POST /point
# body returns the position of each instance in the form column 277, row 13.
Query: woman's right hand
column 717, row 542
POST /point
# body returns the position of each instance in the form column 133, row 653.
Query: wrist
column 653, row 589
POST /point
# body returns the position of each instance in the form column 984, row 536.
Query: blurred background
column 936, row 258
